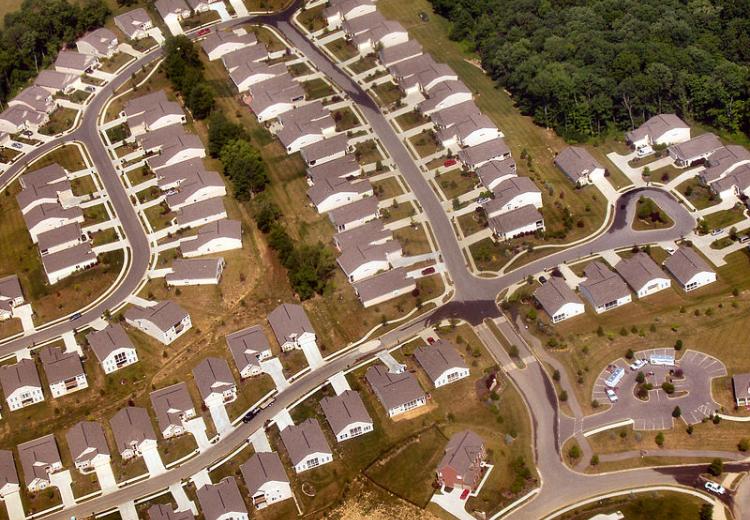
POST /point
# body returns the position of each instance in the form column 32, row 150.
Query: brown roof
column 393, row 390
column 555, row 293
column 246, row 344
column 8, row 473
column 109, row 339
column 655, row 127
column 343, row 410
column 60, row 365
column 86, row 440
column 366, row 207
column 23, row 373
column 36, row 457
column 10, row 288
column 165, row 512
column 741, row 385
column 164, row 315
column 325, row 148
column 639, row 270
column 461, row 453
column 213, row 375
column 261, row 468
column 435, row 359
column 576, row 161
column 383, row 284
column 131, row 425
column 170, row 404
column 685, row 263
column 221, row 499
column 288, row 322
column 304, row 439
column 603, row 284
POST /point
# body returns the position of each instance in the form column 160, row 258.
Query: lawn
column 364, row 64
column 159, row 216
column 724, row 218
column 114, row 63
column 68, row 156
column 698, row 194
column 59, row 121
column 95, row 215
column 8, row 6
column 652, row 505
column 413, row 240
column 387, row 94
column 472, row 222
column 199, row 19
column 398, row 210
column 456, row 182
column 312, row 19
column 367, row 152
column 342, row 49
column 299, row 69
column 317, row 89
column 106, row 236
column 411, row 120
column 650, row 216
column 7, row 155
column 345, row 119
column 387, row 188
column 83, row 185
column 426, row 143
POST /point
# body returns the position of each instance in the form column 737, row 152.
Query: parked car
column 75, row 316
column 638, row 364
column 611, row 395
column 542, row 280
column 428, row 270
column 483, row 200
column 90, row 88
column 643, row 151
column 449, row 162
column 716, row 488
column 203, row 32
column 27, row 133
column 464, row 494
column 716, row 231
column 17, row 146
column 248, row 416
column 430, row 340
column 744, row 238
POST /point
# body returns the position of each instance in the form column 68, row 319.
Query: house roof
column 382, row 30
column 288, row 322
column 131, row 21
column 18, row 375
column 162, row 137
column 719, row 162
column 463, row 129
column 166, row 7
column 171, row 149
column 576, row 162
column 509, row 189
column 143, row 103
column 440, row 92
column 165, row 512
column 100, row 39
column 685, row 263
column 33, row 194
column 48, row 175
column 739, row 178
column 311, row 112
column 393, row 390
column 195, row 269
column 360, row 209
column 180, row 172
column 396, row 53
column 35, row 98
column 54, row 80
column 486, row 151
column 383, row 284
column 413, row 66
column 603, row 284
column 86, row 440
column 344, row 409
column 164, row 315
column 325, row 148
column 68, row 258
column 461, row 454
column 8, row 473
column 59, row 236
column 218, row 38
column 231, row 229
column 248, row 69
column 515, row 219
column 346, row 166
column 354, row 257
column 109, row 339
column 236, row 58
column 36, row 456
column 218, row 500
column 454, row 114
column 280, row 89
column 655, row 127
column 555, row 293
column 261, row 468
column 10, row 288
column 197, row 182
column 170, row 403
column 59, row 365
column 42, row 212
column 303, row 439
column 696, row 147
column 741, row 385
column 131, row 425
column 364, row 235
column 19, row 115
column 327, row 187
column 74, row 60
column 639, row 270
column 213, row 375
column 158, row 110
column 363, row 23
column 200, row 210
column 435, row 359
column 494, row 170
column 246, row 344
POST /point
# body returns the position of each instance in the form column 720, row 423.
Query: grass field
column 724, row 218
column 59, row 121
column 700, row 196
column 651, row 506
column 456, row 182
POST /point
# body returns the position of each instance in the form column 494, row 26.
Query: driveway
column 153, row 462
column 106, row 478
column 197, row 428
column 62, row 480
column 14, row 506
column 221, row 418
column 273, row 368
column 452, row 503
column 339, row 383
column 312, row 354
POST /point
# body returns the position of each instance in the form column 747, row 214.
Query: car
column 430, row 340
column 744, row 238
column 611, row 395
column 716, row 488
column 423, row 16
column 171, row 192
column 464, row 494
column 17, row 146
column 428, row 270
column 75, row 316
column 638, row 364
column 483, row 200
column 643, row 151
column 27, row 133
column 203, row 32
column 670, row 250
column 90, row 88
column 248, row 416
column 542, row 279
column 717, row 231
column 449, row 162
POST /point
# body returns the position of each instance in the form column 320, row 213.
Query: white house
column 662, row 129
column 733, row 185
column 305, row 125
column 603, row 288
column 88, row 446
column 291, row 327
column 577, row 163
column 112, row 348
column 46, row 217
column 201, row 186
column 643, row 275
column 695, row 150
column 494, row 173
column 21, row 384
column 249, row 347
column 173, row 11
column 354, row 214
column 133, row 432
column 173, row 406
column 325, row 151
column 39, row 459
column 477, row 156
column 346, row 414
column 219, row 43
column 222, row 501
column 195, row 271
column 166, row 321
column 558, row 300
column 362, row 261
column 101, row 43
column 384, row 286
column 67, row 262
column 442, row 363
column 17, row 118
column 272, row 97
column 398, row 393
column 511, row 194
column 215, row 381
column 690, row 270
column 470, row 131
column 135, row 24
column 526, row 220
column 340, row 10
column 384, row 35
column 251, row 73
column 331, row 193
column 201, row 213
column 9, row 482
column 445, row 95
column 216, row 237
column 64, row 371
column 306, row 445
column 11, row 296
column 265, row 479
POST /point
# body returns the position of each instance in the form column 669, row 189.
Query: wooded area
column 584, row 67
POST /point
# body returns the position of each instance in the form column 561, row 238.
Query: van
column 611, row 395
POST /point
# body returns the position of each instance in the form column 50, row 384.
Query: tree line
column 34, row 34
column 588, row 67
column 184, row 69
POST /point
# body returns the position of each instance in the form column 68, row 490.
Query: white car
column 716, row 488
column 611, row 395
column 643, row 151
column 639, row 364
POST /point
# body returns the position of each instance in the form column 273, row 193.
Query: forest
column 589, row 67
column 35, row 33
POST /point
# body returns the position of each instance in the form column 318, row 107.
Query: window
column 356, row 431
column 120, row 359
column 313, row 463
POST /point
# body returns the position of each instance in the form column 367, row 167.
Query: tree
column 707, row 512
column 640, row 378
column 201, row 100
column 244, row 166
column 676, row 413
column 513, row 351
column 667, row 387
column 678, row 344
column 563, row 396
column 221, row 131
column 744, row 444
column 574, row 452
column 716, row 468
column 594, row 460
column 659, row 439
column 266, row 213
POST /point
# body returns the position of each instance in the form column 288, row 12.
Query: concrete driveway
column 197, row 428
column 153, row 462
column 221, row 418
column 106, row 478
column 14, row 506
column 63, row 480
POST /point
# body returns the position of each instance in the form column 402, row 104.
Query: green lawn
column 312, row 19
column 456, row 182
column 724, row 218
column 364, row 64
column 426, row 143
column 342, row 49
column 698, row 194
column 472, row 222
column 413, row 240
column 316, row 89
column 650, row 216
column 68, row 156
column 651, row 506
column 367, row 152
column 387, row 94
column 411, row 120
column 114, row 63
column 59, row 121
column 345, row 119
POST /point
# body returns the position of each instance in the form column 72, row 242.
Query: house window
column 356, row 431
column 453, row 376
column 120, row 359
column 313, row 463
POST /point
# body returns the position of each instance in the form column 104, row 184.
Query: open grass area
column 199, row 19
column 299, row 69
column 83, row 185
column 472, row 222
column 387, row 94
column 698, row 194
column 650, row 216
column 413, row 240
column 724, row 218
column 68, row 156
column 456, row 182
column 652, row 506
column 411, row 120
column 59, row 121
column 367, row 152
column 541, row 145
column 345, row 119
column 8, row 6
column 114, row 63
column 159, row 216
column 397, row 211
column 316, row 89
column 95, row 215
column 364, row 64
column 343, row 50
column 7, row 155
column 387, row 188
column 312, row 19
column 426, row 143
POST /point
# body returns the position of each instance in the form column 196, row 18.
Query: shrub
column 574, row 452
column 744, row 444
column 716, row 467
column 667, row 387
column 659, row 439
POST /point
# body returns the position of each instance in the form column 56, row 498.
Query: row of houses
column 606, row 289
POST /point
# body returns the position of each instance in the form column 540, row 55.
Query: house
column 695, row 150
column 21, row 385
column 253, row 53
column 166, row 321
column 603, row 288
column 172, row 11
column 384, row 286
column 735, row 184
column 48, row 194
column 249, row 347
column 420, row 74
column 46, row 217
column 558, row 300
column 462, row 464
column 201, row 6
column 219, row 43
column 137, row 109
column 173, row 406
column 291, row 326
column 251, row 73
column 165, row 512
column 390, row 56
column 741, row 386
column 305, row 125
column 341, row 10
column 494, row 173
column 643, row 275
column 172, row 177
column 662, row 129
column 525, row 220
column 88, row 445
column 345, row 167
column 722, row 162
column 579, row 166
column 346, row 415
column 11, row 296
column 101, row 43
column 9, row 482
column 451, row 115
column 444, row 95
column 354, row 214
column 55, row 82
column 222, row 501
column 133, row 432
column 306, row 445
column 52, row 174
column 61, row 238
column 201, row 213
column 112, row 347
column 383, row 35
column 477, row 156
column 35, row 98
column 135, row 24
column 202, row 186
column 331, row 193
column 362, row 261
column 72, row 62
column 511, row 194
column 64, row 371
column 195, row 271
column 326, row 150
column 161, row 114
column 470, row 131
column 370, row 234
column 174, row 146
column 216, row 237
column 362, row 24
column 442, row 363
column 67, row 262
column 398, row 393
column 39, row 459
column 267, row 99
column 215, row 381
column 18, row 118
column 690, row 270
column 265, row 479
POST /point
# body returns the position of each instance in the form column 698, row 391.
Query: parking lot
column 690, row 376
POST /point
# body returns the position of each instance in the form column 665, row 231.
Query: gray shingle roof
column 304, row 439
column 435, row 359
column 8, row 473
column 325, row 148
column 195, row 269
column 454, row 114
column 231, row 229
column 261, row 468
column 363, row 208
column 221, row 499
column 86, row 440
column 685, row 263
column 66, row 234
column 164, row 315
column 200, row 210
column 461, row 453
column 217, row 38
column 383, row 284
column 131, row 21
column 656, row 126
column 36, row 98
column 555, row 293
column 170, row 404
column 10, row 288
column 364, row 235
column 69, row 257
column 639, row 270
column 515, row 219
column 165, row 512
column 59, row 365
column 213, row 375
column 131, row 425
column 341, row 167
column 696, row 147
column 492, row 149
column 719, row 162
column 36, row 456
column 344, row 409
column 576, row 162
column 18, row 375
column 74, row 60
column 509, row 189
column 393, row 390
column 107, row 340
column 289, row 321
column 603, row 285
column 741, row 385
column 246, row 344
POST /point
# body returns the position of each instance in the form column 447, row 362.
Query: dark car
column 248, row 416
column 75, row 316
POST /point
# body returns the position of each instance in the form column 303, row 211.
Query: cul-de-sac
column 347, row 259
